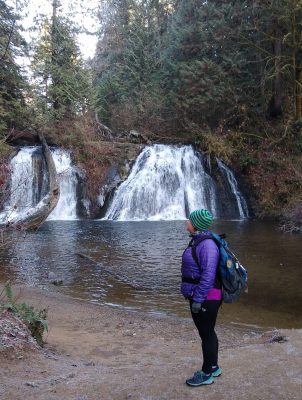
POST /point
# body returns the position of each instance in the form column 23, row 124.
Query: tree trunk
column 298, row 95
column 275, row 106
column 103, row 128
column 296, row 61
column 54, row 73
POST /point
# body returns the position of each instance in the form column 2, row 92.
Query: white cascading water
column 23, row 194
column 66, row 209
column 241, row 203
column 166, row 183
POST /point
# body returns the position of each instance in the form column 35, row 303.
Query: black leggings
column 205, row 322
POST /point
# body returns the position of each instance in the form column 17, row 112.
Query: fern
column 35, row 320
column 9, row 292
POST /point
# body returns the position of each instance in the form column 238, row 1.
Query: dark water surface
column 139, row 266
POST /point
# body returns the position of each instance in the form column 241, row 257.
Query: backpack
column 231, row 275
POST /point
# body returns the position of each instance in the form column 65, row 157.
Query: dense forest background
column 225, row 76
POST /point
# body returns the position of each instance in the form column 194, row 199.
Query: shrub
column 35, row 320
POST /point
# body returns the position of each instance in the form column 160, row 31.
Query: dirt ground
column 97, row 352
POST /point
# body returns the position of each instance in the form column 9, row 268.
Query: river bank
column 100, row 352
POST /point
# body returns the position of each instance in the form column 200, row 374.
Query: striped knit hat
column 201, row 219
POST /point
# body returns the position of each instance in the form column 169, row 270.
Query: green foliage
column 246, row 161
column 280, row 48
column 213, row 144
column 127, row 69
column 219, row 74
column 188, row 58
column 62, row 87
column 203, row 91
column 35, row 320
column 13, row 86
column 219, row 63
column 5, row 150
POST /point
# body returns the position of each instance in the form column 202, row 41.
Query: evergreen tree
column 128, row 62
column 63, row 85
column 210, row 74
column 12, row 83
column 213, row 63
column 116, row 19
column 279, row 40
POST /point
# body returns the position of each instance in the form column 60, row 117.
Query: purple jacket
column 208, row 255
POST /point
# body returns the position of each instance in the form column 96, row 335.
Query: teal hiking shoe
column 200, row 378
column 216, row 371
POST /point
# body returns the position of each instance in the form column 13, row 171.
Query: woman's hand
column 196, row 307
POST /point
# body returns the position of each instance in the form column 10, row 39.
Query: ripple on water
column 137, row 265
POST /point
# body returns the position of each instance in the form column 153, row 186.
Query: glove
column 196, row 307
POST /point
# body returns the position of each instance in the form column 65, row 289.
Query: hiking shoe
column 200, row 378
column 216, row 371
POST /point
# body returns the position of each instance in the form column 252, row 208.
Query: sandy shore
column 98, row 352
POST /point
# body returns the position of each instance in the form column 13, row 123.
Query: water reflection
column 137, row 265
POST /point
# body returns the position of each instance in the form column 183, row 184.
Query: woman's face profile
column 190, row 227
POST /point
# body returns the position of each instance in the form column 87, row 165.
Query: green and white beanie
column 201, row 219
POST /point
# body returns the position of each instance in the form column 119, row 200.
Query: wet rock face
column 40, row 176
column 84, row 208
column 121, row 157
column 54, row 279
column 227, row 206
column 96, row 208
column 112, row 181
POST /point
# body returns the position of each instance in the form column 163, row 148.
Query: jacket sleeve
column 208, row 257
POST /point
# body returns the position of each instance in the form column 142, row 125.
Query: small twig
column 279, row 140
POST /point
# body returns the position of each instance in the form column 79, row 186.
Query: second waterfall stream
column 168, row 182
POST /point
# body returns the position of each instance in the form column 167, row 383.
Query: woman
column 201, row 288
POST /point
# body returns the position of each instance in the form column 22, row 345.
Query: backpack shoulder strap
column 194, row 243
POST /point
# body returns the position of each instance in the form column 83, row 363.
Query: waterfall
column 22, row 177
column 67, row 204
column 241, row 203
column 165, row 183
column 29, row 183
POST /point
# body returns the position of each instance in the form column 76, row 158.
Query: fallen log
column 105, row 270
column 15, row 136
column 92, row 261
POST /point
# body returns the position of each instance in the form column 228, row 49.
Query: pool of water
column 137, row 266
